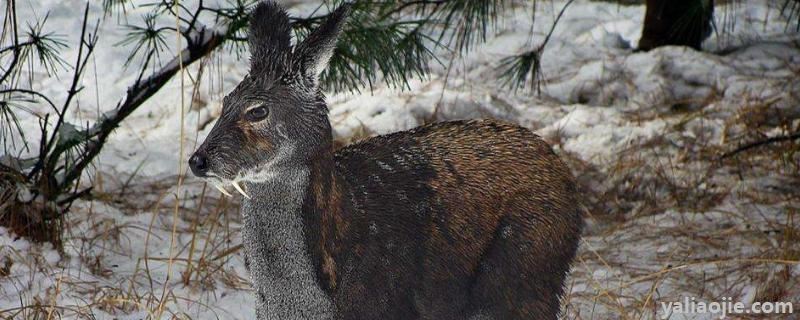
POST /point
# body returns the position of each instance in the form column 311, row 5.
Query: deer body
column 470, row 219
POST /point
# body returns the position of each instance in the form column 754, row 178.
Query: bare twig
column 759, row 143
column 555, row 23
column 137, row 94
column 80, row 64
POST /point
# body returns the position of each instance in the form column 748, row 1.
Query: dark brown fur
column 442, row 222
column 455, row 220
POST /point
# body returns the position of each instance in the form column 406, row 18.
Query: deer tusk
column 221, row 189
column 239, row 188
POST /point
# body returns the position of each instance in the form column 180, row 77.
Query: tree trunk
column 676, row 22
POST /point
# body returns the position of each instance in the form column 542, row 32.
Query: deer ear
column 313, row 54
column 269, row 39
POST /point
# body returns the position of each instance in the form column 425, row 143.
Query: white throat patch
column 262, row 173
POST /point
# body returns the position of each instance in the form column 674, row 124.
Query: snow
column 600, row 99
column 599, row 132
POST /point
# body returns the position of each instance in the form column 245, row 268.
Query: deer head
column 276, row 117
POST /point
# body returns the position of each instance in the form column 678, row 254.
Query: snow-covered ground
column 642, row 131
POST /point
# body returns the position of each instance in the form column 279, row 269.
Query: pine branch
column 11, row 8
column 200, row 42
column 11, row 124
column 147, row 39
column 112, row 6
column 393, row 51
column 422, row 6
column 518, row 69
column 47, row 160
column 39, row 44
column 374, row 46
column 45, row 46
column 791, row 10
column 32, row 93
column 137, row 94
column 467, row 22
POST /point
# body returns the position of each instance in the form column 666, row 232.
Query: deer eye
column 257, row 113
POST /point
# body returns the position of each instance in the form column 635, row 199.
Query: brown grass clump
column 672, row 217
column 31, row 219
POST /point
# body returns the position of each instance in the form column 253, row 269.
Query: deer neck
column 275, row 242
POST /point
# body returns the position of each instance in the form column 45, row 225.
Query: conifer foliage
column 384, row 42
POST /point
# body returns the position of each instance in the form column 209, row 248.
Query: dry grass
column 669, row 219
column 201, row 264
column 31, row 219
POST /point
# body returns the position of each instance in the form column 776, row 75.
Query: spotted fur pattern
column 447, row 221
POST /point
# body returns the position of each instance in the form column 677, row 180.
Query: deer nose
column 199, row 164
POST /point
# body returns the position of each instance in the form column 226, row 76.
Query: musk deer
column 474, row 219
